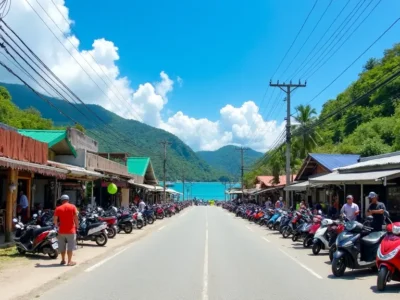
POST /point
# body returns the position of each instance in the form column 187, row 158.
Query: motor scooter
column 36, row 239
column 357, row 247
column 388, row 256
column 321, row 237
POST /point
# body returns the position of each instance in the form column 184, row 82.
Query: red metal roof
column 268, row 180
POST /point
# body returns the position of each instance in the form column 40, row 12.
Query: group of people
column 278, row 204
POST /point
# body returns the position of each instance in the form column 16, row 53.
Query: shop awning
column 149, row 187
column 301, row 186
column 265, row 190
column 31, row 167
column 76, row 171
column 375, row 177
column 172, row 191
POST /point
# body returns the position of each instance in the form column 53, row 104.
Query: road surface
column 206, row 253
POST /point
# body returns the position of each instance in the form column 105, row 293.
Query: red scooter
column 308, row 241
column 388, row 257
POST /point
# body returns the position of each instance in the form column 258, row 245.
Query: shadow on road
column 354, row 275
column 55, row 265
column 390, row 289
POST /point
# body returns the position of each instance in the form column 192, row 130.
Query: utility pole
column 165, row 144
column 183, row 182
column 288, row 88
column 242, row 150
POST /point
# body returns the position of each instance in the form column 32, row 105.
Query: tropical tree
column 304, row 136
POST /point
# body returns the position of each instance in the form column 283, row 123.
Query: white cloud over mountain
column 94, row 76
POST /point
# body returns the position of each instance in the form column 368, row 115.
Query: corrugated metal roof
column 138, row 165
column 384, row 161
column 335, row 178
column 75, row 170
column 50, row 137
column 334, row 161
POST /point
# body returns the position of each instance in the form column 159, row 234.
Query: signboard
column 81, row 141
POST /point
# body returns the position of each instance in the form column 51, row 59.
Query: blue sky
column 226, row 51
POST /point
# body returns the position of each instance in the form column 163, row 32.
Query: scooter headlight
column 388, row 256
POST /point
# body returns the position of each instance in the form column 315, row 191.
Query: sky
column 201, row 69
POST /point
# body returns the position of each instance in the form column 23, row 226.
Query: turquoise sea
column 203, row 190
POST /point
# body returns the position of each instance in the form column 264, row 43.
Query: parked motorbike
column 125, row 221
column 92, row 230
column 388, row 256
column 357, row 247
column 148, row 215
column 36, row 239
column 308, row 240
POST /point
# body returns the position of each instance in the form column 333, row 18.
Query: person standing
column 268, row 203
column 376, row 209
column 23, row 203
column 333, row 210
column 142, row 206
column 66, row 215
column 350, row 209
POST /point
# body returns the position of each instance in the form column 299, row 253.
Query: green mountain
column 227, row 159
column 117, row 135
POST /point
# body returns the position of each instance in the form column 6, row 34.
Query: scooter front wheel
column 295, row 237
column 128, row 228
column 338, row 266
column 21, row 251
column 316, row 248
column 111, row 232
column 101, row 239
column 53, row 254
column 286, row 233
column 383, row 278
column 307, row 242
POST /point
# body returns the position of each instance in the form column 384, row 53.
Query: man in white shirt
column 142, row 205
column 350, row 209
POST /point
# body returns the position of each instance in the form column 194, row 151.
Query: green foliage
column 144, row 139
column 370, row 127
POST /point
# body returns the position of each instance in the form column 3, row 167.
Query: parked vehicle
column 308, row 240
column 125, row 221
column 357, row 246
column 388, row 256
column 92, row 230
column 36, row 239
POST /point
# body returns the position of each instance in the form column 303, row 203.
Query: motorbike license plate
column 54, row 240
column 55, row 245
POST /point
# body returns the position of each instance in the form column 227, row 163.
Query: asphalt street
column 207, row 253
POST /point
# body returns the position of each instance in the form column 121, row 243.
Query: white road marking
column 161, row 228
column 265, row 239
column 249, row 228
column 105, row 260
column 300, row 264
column 205, row 269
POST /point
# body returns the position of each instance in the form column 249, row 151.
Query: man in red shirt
column 66, row 215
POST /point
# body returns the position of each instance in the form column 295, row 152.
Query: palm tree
column 304, row 139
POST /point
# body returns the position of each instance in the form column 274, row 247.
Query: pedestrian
column 303, row 205
column 376, row 209
column 23, row 203
column 333, row 210
column 268, row 203
column 350, row 209
column 66, row 215
column 278, row 203
column 142, row 205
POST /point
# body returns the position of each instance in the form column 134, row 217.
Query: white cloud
column 93, row 74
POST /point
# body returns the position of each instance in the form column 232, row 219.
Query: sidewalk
column 38, row 270
column 3, row 244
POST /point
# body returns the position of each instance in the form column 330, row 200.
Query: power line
column 309, row 36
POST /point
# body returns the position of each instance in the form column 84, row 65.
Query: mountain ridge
column 144, row 139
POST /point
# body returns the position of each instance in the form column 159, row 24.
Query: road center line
column 105, row 260
column 265, row 239
column 300, row 264
column 249, row 228
column 204, row 294
column 162, row 227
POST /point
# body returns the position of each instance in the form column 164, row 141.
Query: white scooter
column 321, row 238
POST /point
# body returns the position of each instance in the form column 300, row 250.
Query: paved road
column 208, row 254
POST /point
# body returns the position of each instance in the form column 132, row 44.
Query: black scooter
column 125, row 222
column 357, row 246
column 96, row 231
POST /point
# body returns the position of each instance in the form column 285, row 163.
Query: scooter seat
column 40, row 230
column 373, row 237
column 94, row 225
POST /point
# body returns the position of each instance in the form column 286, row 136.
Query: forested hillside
column 357, row 121
column 25, row 110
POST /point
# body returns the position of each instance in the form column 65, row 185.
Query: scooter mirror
column 15, row 220
column 34, row 216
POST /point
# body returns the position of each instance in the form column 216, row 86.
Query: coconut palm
column 304, row 136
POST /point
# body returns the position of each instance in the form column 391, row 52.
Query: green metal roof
column 138, row 165
column 50, row 137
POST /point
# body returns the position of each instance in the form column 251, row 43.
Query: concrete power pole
column 242, row 150
column 183, row 182
column 288, row 88
column 165, row 144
